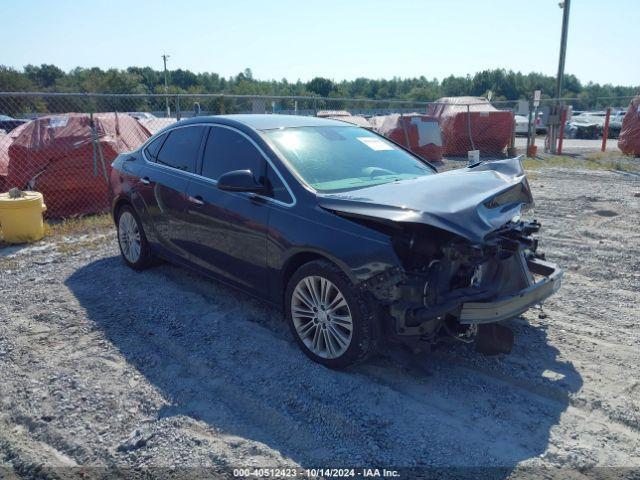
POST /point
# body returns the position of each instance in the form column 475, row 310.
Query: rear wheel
column 131, row 239
column 330, row 320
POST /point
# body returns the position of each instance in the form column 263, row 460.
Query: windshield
column 332, row 159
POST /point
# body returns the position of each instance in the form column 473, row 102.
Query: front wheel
column 331, row 321
column 131, row 239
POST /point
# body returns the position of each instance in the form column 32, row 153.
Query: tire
column 132, row 241
column 341, row 344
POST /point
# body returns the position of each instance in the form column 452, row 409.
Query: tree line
column 504, row 85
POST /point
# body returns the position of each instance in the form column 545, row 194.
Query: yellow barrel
column 21, row 218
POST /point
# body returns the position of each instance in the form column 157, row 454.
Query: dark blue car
column 361, row 242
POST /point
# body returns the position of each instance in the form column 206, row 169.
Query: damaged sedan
column 360, row 242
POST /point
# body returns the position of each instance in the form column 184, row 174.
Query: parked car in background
column 8, row 123
column 541, row 128
column 155, row 124
column 344, row 116
column 355, row 237
column 142, row 115
column 521, row 124
column 590, row 124
column 585, row 125
column 615, row 123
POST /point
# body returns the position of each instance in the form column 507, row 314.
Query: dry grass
column 79, row 225
column 89, row 228
column 594, row 161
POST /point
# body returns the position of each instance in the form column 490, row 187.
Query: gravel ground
column 101, row 366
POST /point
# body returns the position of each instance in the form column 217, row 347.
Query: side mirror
column 239, row 181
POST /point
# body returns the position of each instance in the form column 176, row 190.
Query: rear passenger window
column 227, row 150
column 151, row 151
column 181, row 148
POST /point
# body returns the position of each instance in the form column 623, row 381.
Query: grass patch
column 594, row 161
column 78, row 225
column 88, row 228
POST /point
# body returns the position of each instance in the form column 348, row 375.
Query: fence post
column 473, row 147
column 178, row 112
column 404, row 130
column 535, row 131
column 511, row 151
column 605, row 131
column 529, row 128
column 563, row 120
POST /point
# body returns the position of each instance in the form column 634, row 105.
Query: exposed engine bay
column 461, row 271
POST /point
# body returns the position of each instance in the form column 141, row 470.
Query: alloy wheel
column 321, row 317
column 129, row 237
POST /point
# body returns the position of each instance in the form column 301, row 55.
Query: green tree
column 321, row 86
column 44, row 76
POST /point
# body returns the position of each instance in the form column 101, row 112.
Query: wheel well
column 118, row 205
column 294, row 263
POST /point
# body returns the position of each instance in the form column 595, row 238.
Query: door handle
column 198, row 200
column 145, row 180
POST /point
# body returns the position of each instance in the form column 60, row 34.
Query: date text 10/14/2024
column 314, row 473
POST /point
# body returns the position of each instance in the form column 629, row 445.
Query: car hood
column 471, row 202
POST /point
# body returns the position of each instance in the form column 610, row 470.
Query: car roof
column 271, row 122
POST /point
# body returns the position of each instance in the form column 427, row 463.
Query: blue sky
column 336, row 39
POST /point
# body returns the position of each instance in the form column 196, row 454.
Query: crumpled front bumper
column 512, row 305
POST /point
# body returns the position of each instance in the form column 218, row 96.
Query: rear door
column 169, row 168
column 230, row 227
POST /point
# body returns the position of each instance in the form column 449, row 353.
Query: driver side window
column 227, row 150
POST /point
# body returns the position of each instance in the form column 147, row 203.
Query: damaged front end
column 455, row 281
column 457, row 288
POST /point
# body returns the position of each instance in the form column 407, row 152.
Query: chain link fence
column 62, row 144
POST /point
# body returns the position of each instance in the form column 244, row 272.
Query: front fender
column 361, row 253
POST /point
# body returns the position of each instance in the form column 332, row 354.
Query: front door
column 230, row 228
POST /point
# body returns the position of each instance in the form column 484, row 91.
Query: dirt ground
column 103, row 367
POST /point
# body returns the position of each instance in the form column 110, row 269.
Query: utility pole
column 565, row 5
column 166, row 84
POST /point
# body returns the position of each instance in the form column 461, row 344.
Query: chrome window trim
column 215, row 182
